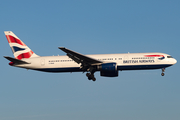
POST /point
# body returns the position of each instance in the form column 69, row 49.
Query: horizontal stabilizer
column 14, row 60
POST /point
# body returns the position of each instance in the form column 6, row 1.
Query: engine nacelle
column 108, row 70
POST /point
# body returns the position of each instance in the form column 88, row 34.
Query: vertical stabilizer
column 19, row 49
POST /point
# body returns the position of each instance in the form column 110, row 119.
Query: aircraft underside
column 119, row 68
column 78, row 69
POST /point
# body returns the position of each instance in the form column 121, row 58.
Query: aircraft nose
column 174, row 61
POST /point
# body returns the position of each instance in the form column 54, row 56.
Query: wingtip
column 61, row 47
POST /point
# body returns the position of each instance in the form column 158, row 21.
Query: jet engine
column 108, row 69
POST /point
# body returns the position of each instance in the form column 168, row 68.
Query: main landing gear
column 91, row 76
column 163, row 70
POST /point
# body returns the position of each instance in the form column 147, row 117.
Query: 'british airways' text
column 138, row 61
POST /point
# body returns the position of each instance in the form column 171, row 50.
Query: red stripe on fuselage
column 154, row 55
column 25, row 55
column 12, row 39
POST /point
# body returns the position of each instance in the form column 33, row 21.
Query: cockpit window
column 169, row 57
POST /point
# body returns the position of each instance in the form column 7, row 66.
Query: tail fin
column 19, row 49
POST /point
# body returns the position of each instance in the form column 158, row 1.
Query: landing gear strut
column 90, row 75
column 163, row 70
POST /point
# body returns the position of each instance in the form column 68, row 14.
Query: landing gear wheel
column 94, row 79
column 162, row 74
column 163, row 70
column 88, row 74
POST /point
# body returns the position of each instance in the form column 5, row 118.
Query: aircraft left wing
column 79, row 58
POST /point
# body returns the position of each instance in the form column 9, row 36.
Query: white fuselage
column 130, row 61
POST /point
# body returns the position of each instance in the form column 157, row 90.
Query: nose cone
column 174, row 61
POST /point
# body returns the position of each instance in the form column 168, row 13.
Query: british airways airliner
column 107, row 64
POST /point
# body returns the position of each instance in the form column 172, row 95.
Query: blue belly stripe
column 128, row 67
column 143, row 67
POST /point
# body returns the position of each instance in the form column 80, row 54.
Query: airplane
column 107, row 64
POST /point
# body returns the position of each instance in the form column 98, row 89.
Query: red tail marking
column 12, row 39
column 25, row 55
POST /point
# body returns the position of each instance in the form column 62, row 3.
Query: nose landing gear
column 163, row 70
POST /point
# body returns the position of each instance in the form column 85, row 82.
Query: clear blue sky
column 90, row 27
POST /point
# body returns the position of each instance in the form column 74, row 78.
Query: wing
column 79, row 58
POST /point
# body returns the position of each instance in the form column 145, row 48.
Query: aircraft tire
column 162, row 74
column 88, row 74
column 94, row 79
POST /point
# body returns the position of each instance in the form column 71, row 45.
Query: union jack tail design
column 19, row 49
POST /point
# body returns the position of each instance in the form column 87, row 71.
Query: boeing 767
column 107, row 64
